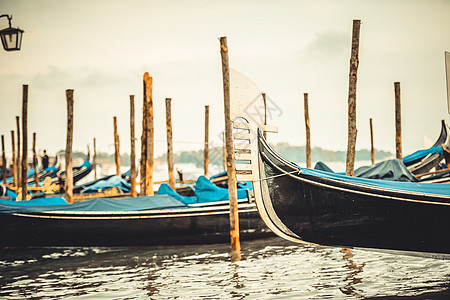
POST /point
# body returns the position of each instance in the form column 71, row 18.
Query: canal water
column 270, row 268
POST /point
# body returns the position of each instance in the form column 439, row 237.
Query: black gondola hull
column 336, row 213
column 181, row 226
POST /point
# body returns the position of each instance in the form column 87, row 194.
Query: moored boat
column 310, row 206
column 151, row 220
column 337, row 210
column 423, row 161
column 167, row 218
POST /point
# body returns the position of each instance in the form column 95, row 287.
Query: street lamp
column 11, row 37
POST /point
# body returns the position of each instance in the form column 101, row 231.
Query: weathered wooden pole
column 169, row 143
column 143, row 161
column 14, row 159
column 116, row 148
column 68, row 186
column 352, row 131
column 372, row 147
column 24, row 176
column 206, row 145
column 35, row 161
column 148, row 82
column 224, row 151
column 132, row 150
column 3, row 160
column 95, row 160
column 308, row 131
column 398, row 122
column 18, row 161
column 265, row 113
column 231, row 169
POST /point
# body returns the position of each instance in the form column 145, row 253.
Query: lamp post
column 11, row 37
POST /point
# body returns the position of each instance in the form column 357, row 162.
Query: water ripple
column 270, row 269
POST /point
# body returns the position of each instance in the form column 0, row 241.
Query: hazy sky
column 101, row 49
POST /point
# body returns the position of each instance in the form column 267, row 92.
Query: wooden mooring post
column 116, row 147
column 206, row 145
column 24, row 176
column 18, row 161
column 231, row 169
column 35, row 161
column 352, row 131
column 398, row 122
column 68, row 184
column 308, row 130
column 143, row 161
column 224, row 151
column 95, row 160
column 14, row 159
column 132, row 150
column 170, row 164
column 372, row 147
column 148, row 96
column 3, row 160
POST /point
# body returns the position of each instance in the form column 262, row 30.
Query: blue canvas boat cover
column 240, row 184
column 205, row 191
column 51, row 169
column 86, row 164
column 100, row 204
column 165, row 189
column 428, row 188
column 11, row 194
column 110, row 182
column 422, row 153
column 30, row 173
column 37, row 201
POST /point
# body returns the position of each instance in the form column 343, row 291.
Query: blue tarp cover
column 429, row 188
column 37, row 201
column 51, row 169
column 422, row 153
column 30, row 173
column 86, row 164
column 11, row 194
column 165, row 189
column 100, row 204
column 113, row 181
column 205, row 191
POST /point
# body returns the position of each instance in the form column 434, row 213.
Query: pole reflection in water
column 354, row 269
column 269, row 269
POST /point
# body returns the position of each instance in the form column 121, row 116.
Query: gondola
column 414, row 167
column 78, row 172
column 50, row 171
column 337, row 210
column 423, row 161
column 107, row 186
column 310, row 206
column 149, row 220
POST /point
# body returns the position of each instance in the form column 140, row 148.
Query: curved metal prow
column 246, row 101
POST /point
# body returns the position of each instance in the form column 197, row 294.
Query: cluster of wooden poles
column 20, row 162
column 147, row 143
column 147, row 160
column 352, row 131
